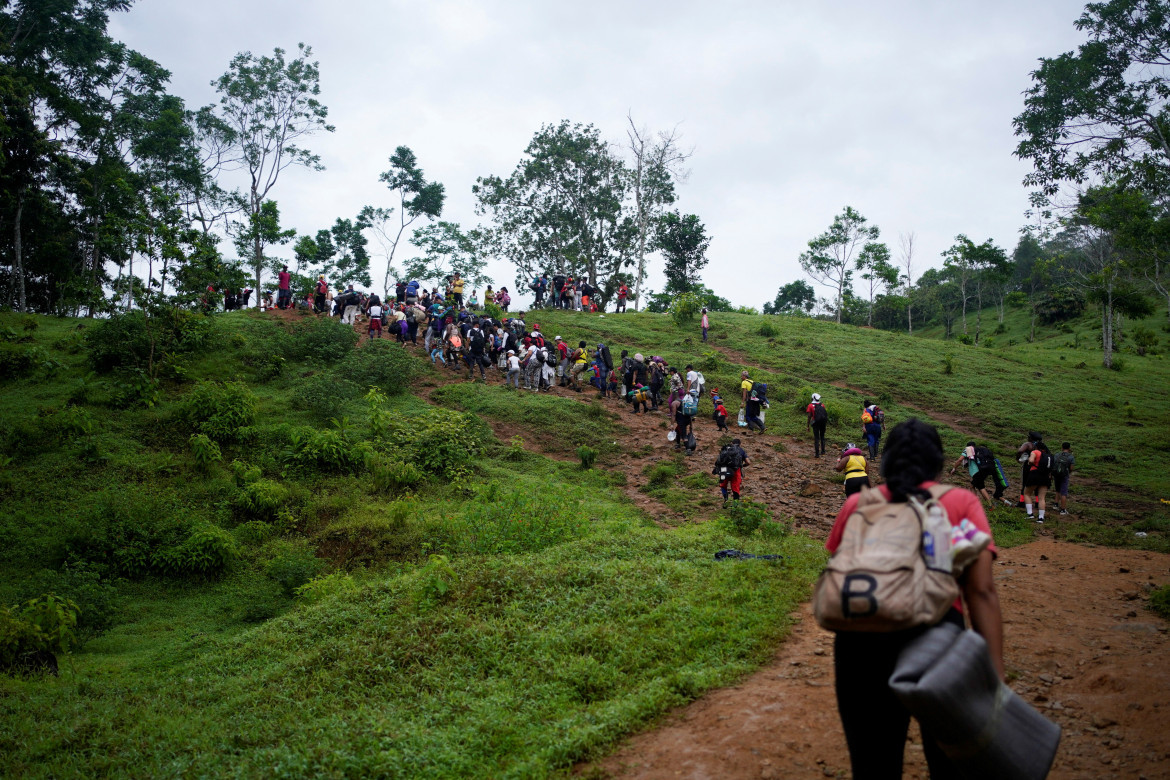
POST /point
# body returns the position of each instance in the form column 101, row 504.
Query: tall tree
column 267, row 107
column 874, row 264
column 1031, row 274
column 417, row 199
column 1102, row 110
column 793, row 298
column 657, row 163
column 261, row 229
column 967, row 262
column 831, row 255
column 683, row 242
column 447, row 249
column 561, row 209
column 906, row 261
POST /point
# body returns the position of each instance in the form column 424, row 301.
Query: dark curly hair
column 913, row 454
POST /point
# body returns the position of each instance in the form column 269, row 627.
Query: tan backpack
column 892, row 570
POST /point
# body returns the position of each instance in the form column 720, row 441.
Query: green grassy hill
column 281, row 573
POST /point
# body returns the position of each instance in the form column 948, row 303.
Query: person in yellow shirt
column 852, row 462
column 457, row 290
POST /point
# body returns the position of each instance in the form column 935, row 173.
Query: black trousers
column 818, row 430
column 875, row 722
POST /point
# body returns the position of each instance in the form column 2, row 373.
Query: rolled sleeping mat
column 947, row 681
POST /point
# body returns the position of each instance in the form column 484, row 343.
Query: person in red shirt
column 284, row 288
column 875, row 721
column 623, row 293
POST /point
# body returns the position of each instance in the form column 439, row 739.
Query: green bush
column 965, row 338
column 320, row 339
column 41, row 625
column 745, row 516
column 392, row 476
column 439, row 442
column 124, row 529
column 205, row 452
column 223, row 411
column 253, row 532
column 684, row 308
column 766, row 330
column 331, row 450
column 324, row 395
column 293, row 566
column 83, row 584
column 588, row 456
column 382, row 363
column 1160, row 601
column 134, row 339
column 262, row 499
column 324, row 586
column 244, row 473
column 499, row 521
column 16, row 360
column 208, row 552
column 493, row 311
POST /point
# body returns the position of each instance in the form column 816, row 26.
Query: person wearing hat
column 818, row 420
column 852, row 462
column 513, row 364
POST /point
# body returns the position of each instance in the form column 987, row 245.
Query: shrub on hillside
column 16, row 360
column 207, row 552
column 392, row 476
column 766, row 330
column 134, row 339
column 293, row 565
column 684, row 308
column 383, row 363
column 745, row 516
column 223, row 411
column 374, row 535
column 84, row 584
column 33, row 633
column 321, row 339
column 439, row 442
column 331, row 450
column 324, row 395
column 262, row 499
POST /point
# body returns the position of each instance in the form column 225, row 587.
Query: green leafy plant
column 205, row 452
column 320, row 339
column 964, row 338
column 766, row 329
column 435, row 581
column 1160, row 601
column 332, row 450
column 684, row 307
column 382, row 363
column 325, row 585
column 324, row 395
column 391, row 476
column 948, row 363
column 82, row 583
column 294, row 565
column 244, row 473
column 221, row 410
column 262, row 499
column 208, row 552
column 745, row 516
column 493, row 311
column 40, row 626
column 587, row 455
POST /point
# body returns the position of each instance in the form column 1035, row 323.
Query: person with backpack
column 319, row 293
column 684, row 418
column 818, row 421
column 980, row 464
column 869, row 640
column 1038, row 477
column 657, row 380
column 1061, row 472
column 579, row 359
column 627, row 366
column 757, row 401
column 852, row 462
column 476, row 352
column 871, row 426
column 729, row 469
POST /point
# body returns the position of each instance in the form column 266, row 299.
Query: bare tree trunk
column 18, row 264
column 1107, row 328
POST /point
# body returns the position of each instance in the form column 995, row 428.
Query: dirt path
column 1079, row 641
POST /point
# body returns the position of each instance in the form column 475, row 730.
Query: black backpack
column 820, row 413
column 476, row 340
column 730, row 459
column 759, row 392
column 1045, row 464
column 984, row 459
column 606, row 358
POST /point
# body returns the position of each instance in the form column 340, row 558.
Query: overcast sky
column 794, row 110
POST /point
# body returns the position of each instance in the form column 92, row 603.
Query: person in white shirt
column 513, row 370
column 375, row 312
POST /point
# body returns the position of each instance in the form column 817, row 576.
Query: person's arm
column 841, row 463
column 983, row 606
column 958, row 462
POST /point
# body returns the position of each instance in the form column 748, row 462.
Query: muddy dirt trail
column 1079, row 644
